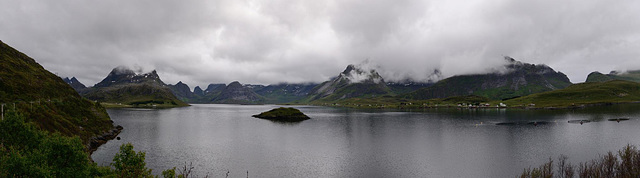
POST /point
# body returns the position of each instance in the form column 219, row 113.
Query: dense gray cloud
column 265, row 42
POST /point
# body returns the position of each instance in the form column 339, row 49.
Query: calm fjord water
column 339, row 142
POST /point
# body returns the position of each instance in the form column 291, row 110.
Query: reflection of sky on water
column 340, row 142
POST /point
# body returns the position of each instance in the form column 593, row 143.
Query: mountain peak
column 349, row 68
column 125, row 75
column 359, row 74
column 122, row 70
column 181, row 90
column 522, row 67
column 214, row 87
column 234, row 84
column 198, row 91
column 354, row 81
column 237, row 93
column 509, row 59
column 74, row 83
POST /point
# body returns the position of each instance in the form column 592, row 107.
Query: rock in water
column 283, row 114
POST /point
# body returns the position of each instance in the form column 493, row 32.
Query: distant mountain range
column 352, row 82
column 237, row 93
column 123, row 86
column 633, row 76
column 515, row 79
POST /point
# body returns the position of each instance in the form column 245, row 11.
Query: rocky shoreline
column 97, row 141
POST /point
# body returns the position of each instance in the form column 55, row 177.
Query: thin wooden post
column 2, row 111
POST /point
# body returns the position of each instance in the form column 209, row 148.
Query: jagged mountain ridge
column 123, row 75
column 354, row 82
column 519, row 79
column 213, row 88
column 236, row 93
column 219, row 93
column 124, row 86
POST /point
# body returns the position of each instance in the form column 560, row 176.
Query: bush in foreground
column 26, row 151
column 626, row 163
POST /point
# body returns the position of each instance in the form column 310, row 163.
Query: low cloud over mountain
column 268, row 42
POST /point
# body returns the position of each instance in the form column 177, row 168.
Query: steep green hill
column 46, row 100
column 616, row 91
column 613, row 75
column 407, row 87
column 520, row 79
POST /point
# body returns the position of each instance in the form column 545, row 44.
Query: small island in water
column 283, row 114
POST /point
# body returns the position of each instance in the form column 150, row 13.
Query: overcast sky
column 264, row 42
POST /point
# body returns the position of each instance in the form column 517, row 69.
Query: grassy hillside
column 494, row 86
column 45, row 99
column 521, row 79
column 616, row 91
column 357, row 90
column 135, row 95
column 404, row 88
column 577, row 95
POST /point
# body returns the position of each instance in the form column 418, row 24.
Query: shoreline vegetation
column 26, row 151
column 442, row 103
column 575, row 96
column 418, row 105
column 146, row 105
column 624, row 163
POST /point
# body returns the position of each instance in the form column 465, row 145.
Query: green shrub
column 29, row 152
column 129, row 163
